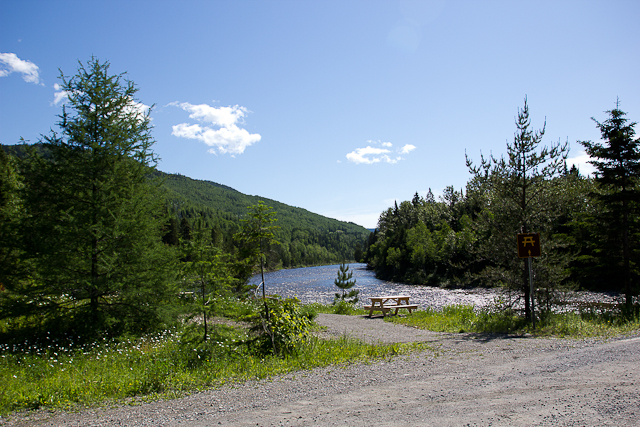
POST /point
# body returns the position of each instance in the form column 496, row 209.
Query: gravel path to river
column 465, row 379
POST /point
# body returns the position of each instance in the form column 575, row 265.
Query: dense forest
column 589, row 226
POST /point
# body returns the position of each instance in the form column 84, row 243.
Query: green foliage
column 258, row 233
column 463, row 318
column 344, row 282
column 425, row 242
column 92, row 220
column 305, row 238
column 286, row 328
column 165, row 365
column 340, row 307
column 344, row 307
column 615, row 226
column 517, row 195
column 11, row 215
column 209, row 272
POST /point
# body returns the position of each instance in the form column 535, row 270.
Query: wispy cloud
column 370, row 155
column 407, row 149
column 220, row 132
column 10, row 63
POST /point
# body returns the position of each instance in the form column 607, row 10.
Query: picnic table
column 387, row 303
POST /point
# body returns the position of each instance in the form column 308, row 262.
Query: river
column 315, row 284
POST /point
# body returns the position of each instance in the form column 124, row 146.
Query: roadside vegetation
column 589, row 322
column 63, row 374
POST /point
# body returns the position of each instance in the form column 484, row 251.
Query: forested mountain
column 305, row 238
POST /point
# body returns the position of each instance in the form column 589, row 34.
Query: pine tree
column 344, row 282
column 617, row 162
column 94, row 214
column 518, row 198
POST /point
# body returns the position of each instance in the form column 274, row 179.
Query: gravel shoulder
column 464, row 379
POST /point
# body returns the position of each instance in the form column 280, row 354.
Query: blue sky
column 338, row 107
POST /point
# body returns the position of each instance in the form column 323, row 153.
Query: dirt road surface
column 463, row 380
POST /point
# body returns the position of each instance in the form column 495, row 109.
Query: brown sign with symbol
column 528, row 245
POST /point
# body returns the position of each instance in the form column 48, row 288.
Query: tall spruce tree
column 518, row 197
column 617, row 162
column 94, row 216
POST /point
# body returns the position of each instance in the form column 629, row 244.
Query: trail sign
column 528, row 245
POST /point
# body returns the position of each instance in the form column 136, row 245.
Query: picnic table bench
column 387, row 303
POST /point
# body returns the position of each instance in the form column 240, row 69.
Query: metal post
column 531, row 293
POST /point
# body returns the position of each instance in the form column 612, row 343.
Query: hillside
column 306, row 238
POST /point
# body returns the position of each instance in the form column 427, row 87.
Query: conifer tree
column 617, row 162
column 94, row 214
column 344, row 282
column 518, row 198
column 257, row 236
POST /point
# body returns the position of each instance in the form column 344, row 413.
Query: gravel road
column 464, row 380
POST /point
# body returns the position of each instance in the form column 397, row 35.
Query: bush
column 286, row 328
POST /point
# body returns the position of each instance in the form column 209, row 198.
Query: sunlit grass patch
column 463, row 318
column 340, row 308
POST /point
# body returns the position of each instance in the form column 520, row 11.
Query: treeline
column 589, row 226
column 94, row 241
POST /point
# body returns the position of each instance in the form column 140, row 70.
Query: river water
column 315, row 284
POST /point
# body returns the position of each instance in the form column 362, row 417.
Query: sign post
column 529, row 247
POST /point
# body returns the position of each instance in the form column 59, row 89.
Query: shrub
column 286, row 328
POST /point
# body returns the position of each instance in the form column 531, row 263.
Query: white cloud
column 407, row 149
column 60, row 96
column 222, row 134
column 581, row 162
column 10, row 63
column 369, row 155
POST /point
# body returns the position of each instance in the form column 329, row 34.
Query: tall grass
column 463, row 318
column 161, row 366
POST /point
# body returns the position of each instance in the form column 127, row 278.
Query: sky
column 340, row 107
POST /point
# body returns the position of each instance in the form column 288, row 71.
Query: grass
column 340, row 308
column 166, row 365
column 463, row 318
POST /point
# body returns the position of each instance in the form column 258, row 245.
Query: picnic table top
column 390, row 297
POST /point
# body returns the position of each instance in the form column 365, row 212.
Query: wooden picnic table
column 387, row 303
